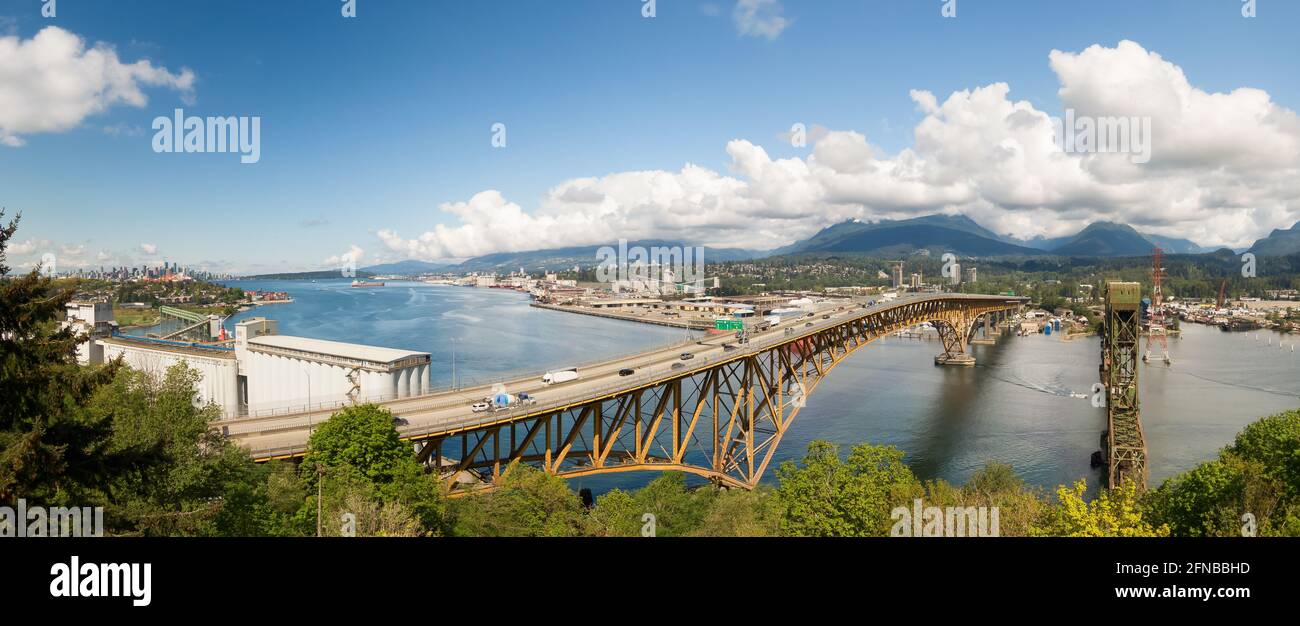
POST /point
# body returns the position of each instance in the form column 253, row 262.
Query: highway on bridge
column 449, row 411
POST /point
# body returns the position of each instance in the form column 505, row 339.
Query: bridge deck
column 448, row 412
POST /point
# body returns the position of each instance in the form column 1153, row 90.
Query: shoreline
column 684, row 324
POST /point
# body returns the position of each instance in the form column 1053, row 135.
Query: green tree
column 359, row 437
column 741, row 513
column 1113, row 513
column 1258, row 474
column 527, row 503
column 826, row 496
column 677, row 510
column 51, row 450
column 617, row 514
column 202, row 485
column 358, row 453
column 1275, row 442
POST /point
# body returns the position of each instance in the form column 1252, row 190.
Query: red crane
column 1156, row 316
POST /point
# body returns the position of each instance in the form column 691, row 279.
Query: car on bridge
column 627, row 371
column 479, row 407
column 678, row 365
column 686, row 356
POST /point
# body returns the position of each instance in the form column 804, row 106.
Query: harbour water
column 1018, row 405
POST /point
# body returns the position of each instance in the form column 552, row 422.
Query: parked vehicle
column 627, row 371
column 560, row 376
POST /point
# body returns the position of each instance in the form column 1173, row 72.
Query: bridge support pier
column 953, row 333
column 990, row 335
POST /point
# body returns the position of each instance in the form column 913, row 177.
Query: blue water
column 1015, row 405
column 490, row 333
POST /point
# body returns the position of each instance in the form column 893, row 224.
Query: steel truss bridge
column 720, row 417
column 719, row 414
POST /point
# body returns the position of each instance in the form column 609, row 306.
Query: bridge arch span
column 720, row 417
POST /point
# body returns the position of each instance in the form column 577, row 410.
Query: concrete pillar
column 403, row 382
column 230, row 377
column 417, row 380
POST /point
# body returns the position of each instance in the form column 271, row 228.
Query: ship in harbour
column 362, row 283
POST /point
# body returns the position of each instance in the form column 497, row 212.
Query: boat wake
column 1277, row 392
column 1051, row 387
column 463, row 317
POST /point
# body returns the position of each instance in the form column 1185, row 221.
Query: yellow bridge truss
column 721, row 420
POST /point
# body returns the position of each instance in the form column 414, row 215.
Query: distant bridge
column 719, row 413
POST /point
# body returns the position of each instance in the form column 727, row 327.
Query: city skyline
column 904, row 112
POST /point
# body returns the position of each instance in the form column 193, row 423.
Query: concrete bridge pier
column 989, row 337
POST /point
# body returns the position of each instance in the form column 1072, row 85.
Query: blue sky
column 374, row 123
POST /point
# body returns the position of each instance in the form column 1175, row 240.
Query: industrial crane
column 1156, row 325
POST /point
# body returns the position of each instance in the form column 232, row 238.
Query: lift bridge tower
column 1123, row 443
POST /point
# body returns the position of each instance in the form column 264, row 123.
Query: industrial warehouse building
column 266, row 372
column 277, row 371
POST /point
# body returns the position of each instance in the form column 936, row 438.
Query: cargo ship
column 362, row 283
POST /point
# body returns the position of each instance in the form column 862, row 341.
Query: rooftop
column 335, row 348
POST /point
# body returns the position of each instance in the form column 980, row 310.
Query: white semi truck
column 560, row 376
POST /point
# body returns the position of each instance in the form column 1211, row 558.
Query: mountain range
column 935, row 234
column 963, row 236
column 1279, row 242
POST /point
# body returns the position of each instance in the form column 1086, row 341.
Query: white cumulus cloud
column 1224, row 170
column 53, row 81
